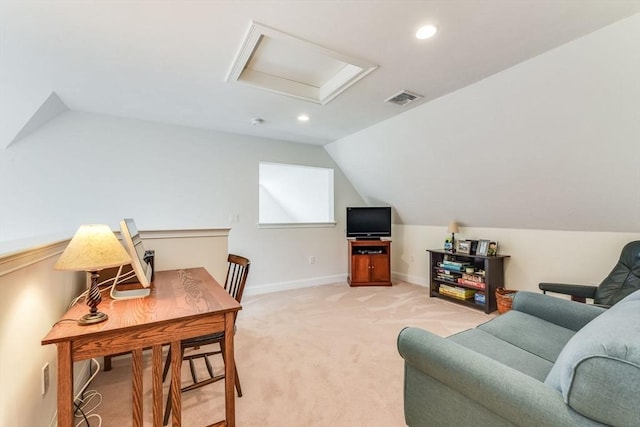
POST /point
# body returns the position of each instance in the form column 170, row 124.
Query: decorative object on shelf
column 448, row 246
column 470, row 270
column 94, row 247
column 493, row 249
column 453, row 229
column 483, row 248
column 504, row 299
column 463, row 246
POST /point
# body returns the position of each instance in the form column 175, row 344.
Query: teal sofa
column 547, row 362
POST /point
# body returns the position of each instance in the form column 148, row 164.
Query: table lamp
column 453, row 229
column 93, row 248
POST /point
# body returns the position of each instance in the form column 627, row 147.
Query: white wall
column 550, row 144
column 82, row 168
column 34, row 297
column 535, row 255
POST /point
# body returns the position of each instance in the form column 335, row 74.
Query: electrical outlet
column 45, row 379
column 312, row 260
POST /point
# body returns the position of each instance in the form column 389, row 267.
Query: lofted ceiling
column 169, row 61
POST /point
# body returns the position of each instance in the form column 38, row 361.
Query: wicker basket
column 504, row 298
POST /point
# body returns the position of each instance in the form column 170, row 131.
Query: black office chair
column 623, row 280
column 237, row 272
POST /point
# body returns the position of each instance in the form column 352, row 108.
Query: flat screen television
column 142, row 270
column 369, row 222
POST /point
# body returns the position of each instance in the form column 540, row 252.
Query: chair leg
column 167, row 364
column 167, row 407
column 238, row 388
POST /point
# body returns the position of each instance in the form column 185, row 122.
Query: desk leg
column 176, row 368
column 156, row 378
column 229, row 371
column 136, row 386
column 65, row 385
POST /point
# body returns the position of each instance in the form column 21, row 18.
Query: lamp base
column 91, row 318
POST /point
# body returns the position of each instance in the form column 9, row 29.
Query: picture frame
column 493, row 249
column 463, row 247
column 483, row 247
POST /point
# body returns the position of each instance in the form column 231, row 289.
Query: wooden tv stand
column 369, row 263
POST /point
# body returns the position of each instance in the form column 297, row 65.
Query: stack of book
column 454, row 265
column 471, row 280
column 447, row 275
column 456, row 292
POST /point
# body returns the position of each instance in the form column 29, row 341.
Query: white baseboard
column 416, row 280
column 326, row 280
column 295, row 284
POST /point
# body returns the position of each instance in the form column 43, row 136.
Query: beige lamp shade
column 92, row 248
column 453, row 227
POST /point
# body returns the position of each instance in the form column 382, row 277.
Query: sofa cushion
column 539, row 337
column 521, row 360
column 598, row 371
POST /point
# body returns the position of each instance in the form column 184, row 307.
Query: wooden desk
column 183, row 304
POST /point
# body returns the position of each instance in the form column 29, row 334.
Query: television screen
column 368, row 222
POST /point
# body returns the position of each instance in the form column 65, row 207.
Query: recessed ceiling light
column 426, row 32
column 303, row 118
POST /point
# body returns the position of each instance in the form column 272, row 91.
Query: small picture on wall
column 493, row 249
column 464, row 246
column 483, row 247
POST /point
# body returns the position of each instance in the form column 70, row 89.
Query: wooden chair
column 237, row 272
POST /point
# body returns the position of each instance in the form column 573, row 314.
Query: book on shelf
column 456, row 292
column 472, row 278
column 456, row 263
column 451, row 267
column 471, row 284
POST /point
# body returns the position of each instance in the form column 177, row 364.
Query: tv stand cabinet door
column 380, row 269
column 359, row 269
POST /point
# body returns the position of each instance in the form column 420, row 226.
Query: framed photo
column 463, row 246
column 483, row 247
column 493, row 249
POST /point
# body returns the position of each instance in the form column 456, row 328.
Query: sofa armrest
column 581, row 291
column 568, row 314
column 514, row 396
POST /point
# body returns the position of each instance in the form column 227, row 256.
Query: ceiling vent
column 272, row 60
column 403, row 98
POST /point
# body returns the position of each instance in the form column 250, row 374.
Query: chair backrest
column 237, row 272
column 624, row 279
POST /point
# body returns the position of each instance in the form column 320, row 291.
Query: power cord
column 84, row 400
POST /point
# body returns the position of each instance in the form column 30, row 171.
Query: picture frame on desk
column 483, row 247
column 463, row 247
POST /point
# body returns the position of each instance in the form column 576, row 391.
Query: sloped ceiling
column 552, row 143
column 529, row 117
column 166, row 61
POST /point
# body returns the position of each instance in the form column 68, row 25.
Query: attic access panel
column 272, row 60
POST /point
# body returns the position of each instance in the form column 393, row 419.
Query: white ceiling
column 167, row 61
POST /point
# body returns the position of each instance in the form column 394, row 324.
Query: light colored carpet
column 321, row 356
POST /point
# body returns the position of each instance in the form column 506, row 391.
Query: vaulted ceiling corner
column 51, row 108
